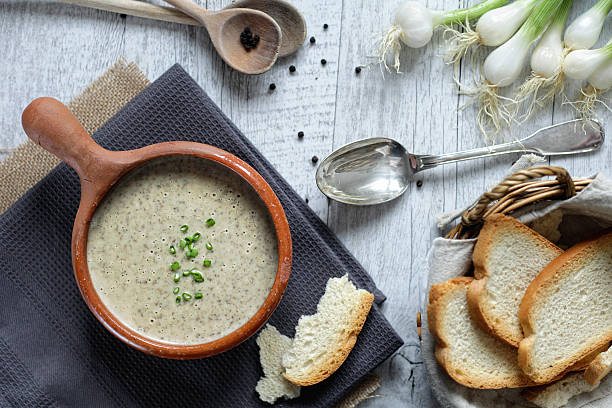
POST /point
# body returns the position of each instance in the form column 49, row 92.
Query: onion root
column 390, row 44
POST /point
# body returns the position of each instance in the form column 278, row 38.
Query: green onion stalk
column 546, row 66
column 503, row 66
column 584, row 32
column 414, row 24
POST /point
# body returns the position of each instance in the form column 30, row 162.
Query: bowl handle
column 49, row 123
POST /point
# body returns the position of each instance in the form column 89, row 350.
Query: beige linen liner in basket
column 577, row 207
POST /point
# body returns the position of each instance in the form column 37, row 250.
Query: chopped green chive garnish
column 207, row 263
column 186, row 273
column 177, row 277
column 178, row 299
column 188, row 240
column 184, row 228
column 172, row 249
column 208, row 246
column 175, row 265
column 196, row 236
column 186, row 296
column 176, row 290
column 193, row 253
column 183, row 244
column 197, row 275
column 210, row 222
column 198, row 295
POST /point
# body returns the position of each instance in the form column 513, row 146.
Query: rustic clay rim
column 51, row 125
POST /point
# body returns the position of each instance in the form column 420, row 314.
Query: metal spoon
column 374, row 171
column 289, row 19
column 225, row 26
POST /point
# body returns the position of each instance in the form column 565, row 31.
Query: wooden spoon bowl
column 51, row 125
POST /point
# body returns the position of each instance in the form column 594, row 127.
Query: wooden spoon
column 289, row 19
column 225, row 27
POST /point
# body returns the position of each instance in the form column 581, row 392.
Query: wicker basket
column 517, row 191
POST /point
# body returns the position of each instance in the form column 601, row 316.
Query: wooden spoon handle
column 137, row 9
column 50, row 124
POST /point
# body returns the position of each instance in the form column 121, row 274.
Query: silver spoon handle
column 574, row 136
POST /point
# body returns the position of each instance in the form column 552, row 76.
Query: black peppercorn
column 419, row 183
column 325, row 26
column 312, row 40
column 300, row 134
column 314, row 159
column 306, row 199
column 357, row 70
column 248, row 40
column 323, row 61
column 292, row 68
column 272, row 86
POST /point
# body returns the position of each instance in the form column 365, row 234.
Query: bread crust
column 437, row 298
column 337, row 357
column 477, row 292
column 547, row 278
column 598, row 368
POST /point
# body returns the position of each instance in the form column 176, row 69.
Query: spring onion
column 546, row 59
column 172, row 249
column 196, row 236
column 210, row 222
column 207, row 263
column 503, row 66
column 177, row 277
column 176, row 290
column 184, row 228
column 494, row 28
column 581, row 64
column 175, row 265
column 599, row 82
column 198, row 295
column 583, row 32
column 186, row 296
column 209, row 246
column 186, row 273
column 182, row 244
column 414, row 24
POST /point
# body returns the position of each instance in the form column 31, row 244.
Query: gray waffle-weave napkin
column 54, row 353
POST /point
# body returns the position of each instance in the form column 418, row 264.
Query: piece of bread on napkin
column 324, row 340
column 566, row 312
column 466, row 351
column 557, row 394
column 599, row 367
column 272, row 386
column 507, row 257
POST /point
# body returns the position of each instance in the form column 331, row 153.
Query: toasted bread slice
column 557, row 394
column 507, row 257
column 324, row 340
column 272, row 386
column 566, row 312
column 599, row 368
column 466, row 351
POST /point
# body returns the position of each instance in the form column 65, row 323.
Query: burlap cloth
column 29, row 163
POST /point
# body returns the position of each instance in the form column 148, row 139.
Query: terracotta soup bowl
column 51, row 125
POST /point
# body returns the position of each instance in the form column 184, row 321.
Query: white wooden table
column 51, row 49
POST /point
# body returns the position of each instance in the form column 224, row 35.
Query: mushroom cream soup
column 182, row 250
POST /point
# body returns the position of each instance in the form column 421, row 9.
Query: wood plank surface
column 55, row 49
